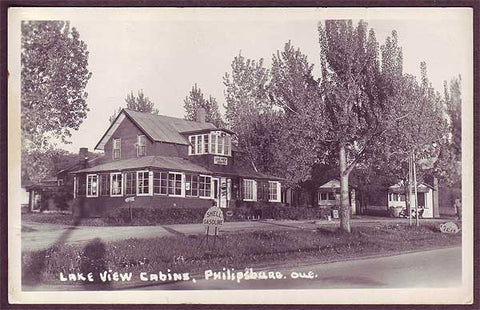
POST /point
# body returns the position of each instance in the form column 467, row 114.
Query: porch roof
column 160, row 162
column 173, row 164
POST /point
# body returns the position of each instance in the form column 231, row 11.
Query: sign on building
column 219, row 160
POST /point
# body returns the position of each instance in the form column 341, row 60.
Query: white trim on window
column 182, row 186
column 150, row 183
column 141, row 145
column 94, row 185
column 191, row 145
column 211, row 186
column 141, row 180
column 116, row 180
column 252, row 186
column 274, row 185
column 117, row 146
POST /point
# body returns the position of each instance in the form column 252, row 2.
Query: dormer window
column 216, row 142
column 141, row 145
column 198, row 144
column 116, row 152
column 221, row 143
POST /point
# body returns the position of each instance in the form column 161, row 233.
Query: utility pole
column 415, row 189
column 410, row 197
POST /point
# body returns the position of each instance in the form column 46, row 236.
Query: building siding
column 128, row 132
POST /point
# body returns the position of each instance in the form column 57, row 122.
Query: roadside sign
column 130, row 199
column 449, row 228
column 213, row 219
column 335, row 214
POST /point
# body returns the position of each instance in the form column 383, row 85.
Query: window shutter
column 254, row 190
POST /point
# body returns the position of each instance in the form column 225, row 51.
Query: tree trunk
column 344, row 197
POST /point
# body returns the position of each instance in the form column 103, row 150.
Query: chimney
column 83, row 157
column 200, row 117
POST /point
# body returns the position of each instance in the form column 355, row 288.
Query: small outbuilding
column 427, row 198
column 328, row 195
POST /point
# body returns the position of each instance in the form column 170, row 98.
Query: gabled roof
column 422, row 187
column 158, row 128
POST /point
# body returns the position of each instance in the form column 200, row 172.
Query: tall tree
column 139, row 103
column 354, row 103
column 196, row 100
column 296, row 92
column 247, row 106
column 246, row 91
column 448, row 165
column 53, row 79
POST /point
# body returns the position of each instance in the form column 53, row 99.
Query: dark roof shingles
column 166, row 128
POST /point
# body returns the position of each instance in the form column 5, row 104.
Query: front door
column 215, row 191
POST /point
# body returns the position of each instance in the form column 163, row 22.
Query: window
column 175, row 184
column 104, row 185
column 205, row 186
column 249, row 190
column 199, row 145
column 141, row 145
column 227, row 145
column 220, row 143
column 92, row 185
column 160, row 183
column 130, row 183
column 323, row 196
column 191, row 185
column 213, row 145
column 274, row 191
column 143, row 183
column 402, row 197
column 60, row 182
column 81, row 186
column 205, row 144
column 331, row 196
column 191, row 147
column 117, row 153
column 116, row 184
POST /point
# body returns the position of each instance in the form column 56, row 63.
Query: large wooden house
column 167, row 161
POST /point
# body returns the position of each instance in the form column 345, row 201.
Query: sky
column 165, row 52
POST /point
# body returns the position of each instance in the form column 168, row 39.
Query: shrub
column 152, row 216
column 278, row 211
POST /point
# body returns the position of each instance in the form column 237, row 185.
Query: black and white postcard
column 240, row 155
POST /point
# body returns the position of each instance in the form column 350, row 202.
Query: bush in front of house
column 153, row 216
column 278, row 211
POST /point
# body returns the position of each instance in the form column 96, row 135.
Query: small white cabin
column 328, row 195
column 425, row 197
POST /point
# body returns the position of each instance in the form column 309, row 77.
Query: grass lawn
column 237, row 250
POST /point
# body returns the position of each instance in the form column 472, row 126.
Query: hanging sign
column 213, row 219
